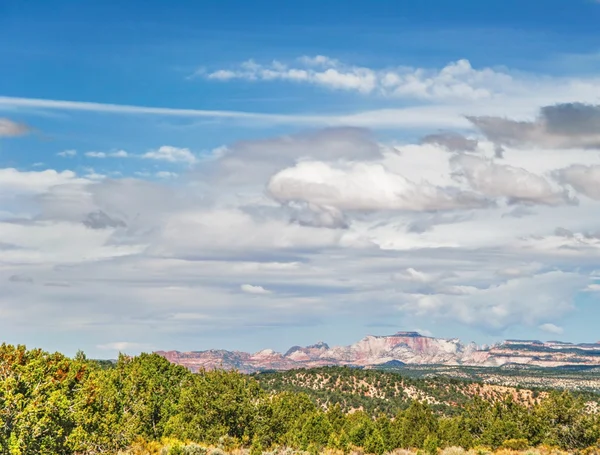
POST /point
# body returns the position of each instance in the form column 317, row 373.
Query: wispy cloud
column 457, row 80
column 9, row 128
column 117, row 154
column 171, row 154
column 552, row 328
column 95, row 154
column 67, row 153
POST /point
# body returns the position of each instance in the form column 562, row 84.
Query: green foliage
column 431, row 445
column 515, row 444
column 316, row 430
column 374, row 443
column 51, row 404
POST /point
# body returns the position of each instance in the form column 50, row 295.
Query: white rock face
column 405, row 347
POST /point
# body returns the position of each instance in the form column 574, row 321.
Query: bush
column 194, row 449
column 515, row 444
column 431, row 444
column 176, row 450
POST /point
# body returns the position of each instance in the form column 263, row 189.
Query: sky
column 249, row 175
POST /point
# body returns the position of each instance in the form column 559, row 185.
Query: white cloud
column 502, row 180
column 117, row 154
column 251, row 289
column 501, row 305
column 67, row 153
column 457, row 80
column 364, row 187
column 348, row 228
column 171, row 154
column 13, row 181
column 551, row 328
column 584, row 179
column 95, row 154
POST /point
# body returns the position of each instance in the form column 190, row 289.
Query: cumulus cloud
column 584, row 179
column 560, row 126
column 9, row 128
column 363, row 187
column 255, row 161
column 457, row 80
column 251, row 289
column 13, row 181
column 339, row 224
column 501, row 180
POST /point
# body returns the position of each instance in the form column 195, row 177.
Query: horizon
column 249, row 176
column 412, row 334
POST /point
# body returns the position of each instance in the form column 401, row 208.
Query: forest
column 53, row 404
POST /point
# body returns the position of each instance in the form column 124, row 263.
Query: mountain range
column 395, row 350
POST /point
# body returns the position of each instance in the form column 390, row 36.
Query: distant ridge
column 401, row 348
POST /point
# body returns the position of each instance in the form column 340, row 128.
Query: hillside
column 387, row 392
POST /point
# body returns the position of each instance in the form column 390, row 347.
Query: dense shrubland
column 51, row 404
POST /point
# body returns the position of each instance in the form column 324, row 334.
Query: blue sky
column 259, row 174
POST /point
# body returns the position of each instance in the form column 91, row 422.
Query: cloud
column 454, row 142
column 166, row 175
column 457, row 80
column 584, row 179
column 363, row 187
column 560, row 126
column 101, row 155
column 501, row 305
column 551, row 328
column 258, row 290
column 337, row 225
column 500, row 180
column 251, row 161
column 67, row 153
column 100, row 220
column 95, row 154
column 171, row 154
column 13, row 181
column 20, row 279
column 9, row 128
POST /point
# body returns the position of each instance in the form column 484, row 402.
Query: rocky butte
column 400, row 348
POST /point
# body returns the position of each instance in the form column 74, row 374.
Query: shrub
column 515, row 444
column 176, row 450
column 431, row 444
column 194, row 449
